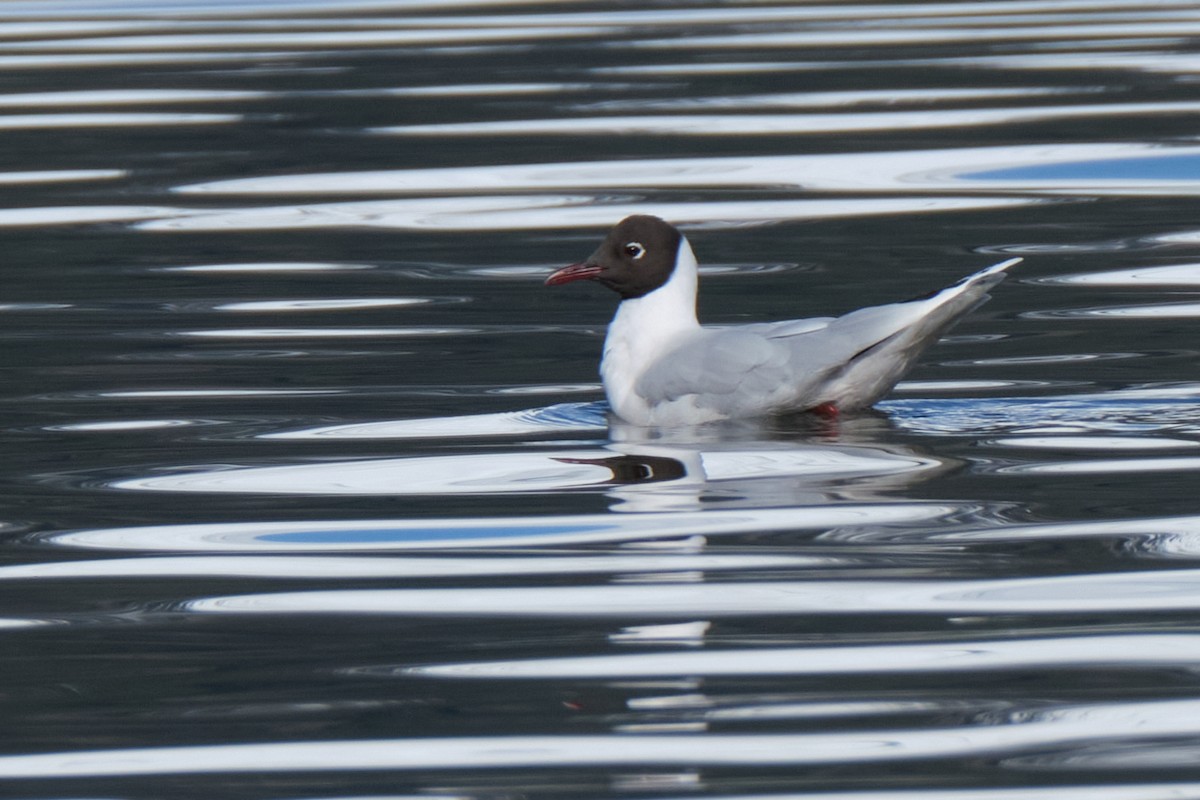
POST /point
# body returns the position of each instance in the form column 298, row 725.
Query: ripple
column 167, row 16
column 1172, row 275
column 1042, row 653
column 120, row 426
column 534, row 213
column 1076, row 726
column 1183, row 237
column 1182, row 63
column 1054, row 358
column 486, row 89
column 124, row 97
column 334, row 567
column 62, row 61
column 60, row 176
column 318, row 39
column 17, row 122
column 325, row 333
column 1155, row 311
column 269, row 267
column 579, row 417
column 1104, row 443
column 378, row 535
column 1168, row 166
column 1132, row 167
column 1103, row 466
column 34, row 306
column 922, row 387
column 865, row 37
column 523, row 472
column 555, row 389
column 154, row 394
column 1180, row 529
column 1136, row 411
column 791, row 124
column 322, row 304
column 884, row 97
column 69, row 215
column 1093, row 593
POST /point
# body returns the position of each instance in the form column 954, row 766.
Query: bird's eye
column 635, row 250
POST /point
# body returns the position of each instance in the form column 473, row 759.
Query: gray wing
column 723, row 366
column 854, row 359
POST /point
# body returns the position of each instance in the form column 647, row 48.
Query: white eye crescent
column 634, row 250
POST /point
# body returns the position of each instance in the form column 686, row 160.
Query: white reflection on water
column 60, row 176
column 1171, row 275
column 1097, row 442
column 214, row 393
column 774, row 124
column 402, row 35
column 1183, row 237
column 865, row 37
column 269, row 267
column 482, row 89
column 1155, row 311
column 324, row 333
column 61, row 61
column 274, row 10
column 562, row 417
column 321, row 304
column 70, row 215
column 1065, row 728
column 1124, row 791
column 121, row 426
column 123, row 119
column 1114, row 167
column 378, row 535
column 1122, row 592
column 20, row 307
column 1103, row 466
column 124, row 97
column 1153, row 61
column 11, row 623
column 333, row 567
column 884, row 97
column 969, row 386
column 1169, row 536
column 541, row 212
column 672, row 474
column 1171, row 651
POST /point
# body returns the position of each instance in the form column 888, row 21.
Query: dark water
column 308, row 489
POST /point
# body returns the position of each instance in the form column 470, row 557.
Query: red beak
column 575, row 272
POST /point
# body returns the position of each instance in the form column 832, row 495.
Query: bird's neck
column 668, row 310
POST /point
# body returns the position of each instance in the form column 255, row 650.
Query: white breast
column 646, row 329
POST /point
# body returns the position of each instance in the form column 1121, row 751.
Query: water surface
column 311, row 491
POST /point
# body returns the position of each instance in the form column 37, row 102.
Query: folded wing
column 851, row 361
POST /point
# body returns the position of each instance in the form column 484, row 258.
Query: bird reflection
column 782, row 462
column 630, row 469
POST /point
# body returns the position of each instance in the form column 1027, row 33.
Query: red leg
column 826, row 410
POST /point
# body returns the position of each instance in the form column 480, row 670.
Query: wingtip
column 1003, row 265
column 995, row 271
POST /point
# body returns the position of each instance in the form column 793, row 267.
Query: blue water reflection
column 680, row 529
column 1166, row 167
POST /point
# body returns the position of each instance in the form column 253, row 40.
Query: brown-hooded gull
column 662, row 368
